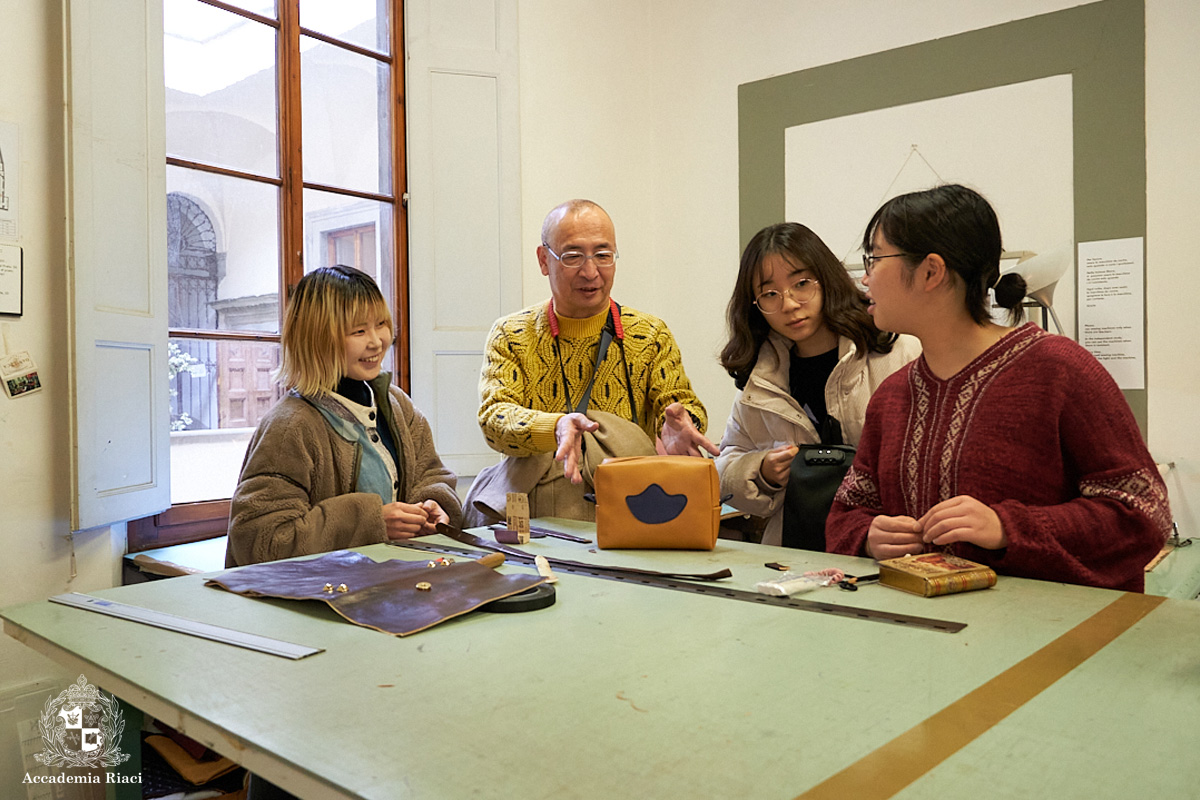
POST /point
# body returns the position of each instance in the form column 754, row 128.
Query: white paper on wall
column 9, row 161
column 1112, row 318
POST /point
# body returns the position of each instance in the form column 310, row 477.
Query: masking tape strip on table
column 892, row 767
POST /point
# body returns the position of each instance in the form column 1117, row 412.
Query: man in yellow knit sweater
column 540, row 367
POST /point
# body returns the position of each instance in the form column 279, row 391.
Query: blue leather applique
column 654, row 506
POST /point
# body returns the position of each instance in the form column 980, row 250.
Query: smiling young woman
column 344, row 459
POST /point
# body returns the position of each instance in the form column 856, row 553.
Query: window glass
column 359, row 22
column 220, row 88
column 219, row 391
column 352, row 246
column 263, row 8
column 238, row 233
column 357, row 233
column 346, row 119
column 222, row 252
column 222, row 275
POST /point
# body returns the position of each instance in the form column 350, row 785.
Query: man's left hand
column 679, row 435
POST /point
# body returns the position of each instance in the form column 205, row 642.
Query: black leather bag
column 817, row 472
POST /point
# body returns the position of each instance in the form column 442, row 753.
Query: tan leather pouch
column 657, row 503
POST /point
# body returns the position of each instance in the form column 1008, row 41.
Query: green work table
column 626, row 690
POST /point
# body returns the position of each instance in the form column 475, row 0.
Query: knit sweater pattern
column 521, row 383
column 1036, row 429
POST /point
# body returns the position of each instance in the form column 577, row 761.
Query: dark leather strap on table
column 479, row 541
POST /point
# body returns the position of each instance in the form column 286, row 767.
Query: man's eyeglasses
column 573, row 259
column 869, row 261
column 771, row 301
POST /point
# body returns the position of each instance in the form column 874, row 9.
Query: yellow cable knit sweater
column 521, row 385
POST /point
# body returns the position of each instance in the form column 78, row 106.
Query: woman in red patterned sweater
column 1007, row 446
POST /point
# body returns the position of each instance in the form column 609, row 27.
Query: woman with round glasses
column 806, row 355
column 1011, row 447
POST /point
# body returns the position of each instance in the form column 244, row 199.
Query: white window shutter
column 116, row 260
column 464, row 223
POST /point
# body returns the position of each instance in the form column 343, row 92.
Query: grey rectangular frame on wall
column 1101, row 45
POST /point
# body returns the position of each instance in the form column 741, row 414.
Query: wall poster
column 1112, row 317
column 11, row 280
column 8, row 180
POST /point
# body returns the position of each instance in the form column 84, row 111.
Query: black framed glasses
column 771, row 301
column 574, row 259
column 869, row 260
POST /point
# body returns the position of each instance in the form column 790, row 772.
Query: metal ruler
column 714, row 590
column 191, row 627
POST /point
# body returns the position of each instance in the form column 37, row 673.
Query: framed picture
column 12, row 272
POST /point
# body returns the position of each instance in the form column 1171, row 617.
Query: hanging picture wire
column 914, row 150
column 1041, row 272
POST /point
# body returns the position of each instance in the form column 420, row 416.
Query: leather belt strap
column 478, row 541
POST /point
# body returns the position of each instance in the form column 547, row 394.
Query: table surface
column 626, row 690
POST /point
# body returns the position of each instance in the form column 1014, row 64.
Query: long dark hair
column 843, row 306
column 959, row 225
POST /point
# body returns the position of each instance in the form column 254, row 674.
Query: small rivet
column 431, row 564
column 424, row 586
column 329, row 588
column 343, row 588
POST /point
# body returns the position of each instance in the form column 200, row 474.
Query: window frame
column 189, row 522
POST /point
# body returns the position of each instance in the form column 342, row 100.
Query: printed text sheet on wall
column 1112, row 324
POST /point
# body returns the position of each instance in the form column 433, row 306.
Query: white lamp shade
column 1043, row 270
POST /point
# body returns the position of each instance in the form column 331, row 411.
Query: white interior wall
column 1172, row 208
column 1013, row 142
column 661, row 146
column 39, row 560
column 687, row 204
column 700, row 61
column 587, row 130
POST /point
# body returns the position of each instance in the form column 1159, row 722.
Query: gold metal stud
column 343, row 588
column 328, row 588
column 424, row 586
